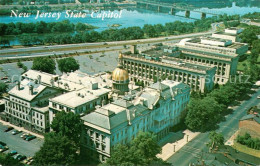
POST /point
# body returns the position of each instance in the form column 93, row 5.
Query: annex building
column 160, row 62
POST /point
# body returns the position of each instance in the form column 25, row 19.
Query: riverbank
column 114, row 34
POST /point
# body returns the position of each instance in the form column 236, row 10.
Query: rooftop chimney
column 18, row 83
column 39, row 79
column 103, row 102
column 133, row 49
column 31, row 89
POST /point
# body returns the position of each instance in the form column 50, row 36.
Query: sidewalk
column 230, row 141
column 168, row 149
column 21, row 128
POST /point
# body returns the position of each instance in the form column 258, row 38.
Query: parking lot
column 15, row 142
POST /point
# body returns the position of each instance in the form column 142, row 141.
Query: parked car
column 9, row 128
column 2, row 143
column 28, row 161
column 4, row 78
column 258, row 97
column 30, row 138
column 3, row 148
column 16, row 132
column 13, row 152
column 21, row 158
column 16, row 156
column 25, row 135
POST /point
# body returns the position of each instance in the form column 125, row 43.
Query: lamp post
column 174, row 147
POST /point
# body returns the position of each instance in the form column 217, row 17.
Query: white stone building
column 155, row 109
column 232, row 48
column 27, row 105
column 35, row 100
column 229, row 34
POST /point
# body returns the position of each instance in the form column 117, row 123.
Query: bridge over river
column 172, row 8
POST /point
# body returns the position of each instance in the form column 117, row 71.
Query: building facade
column 27, row 105
column 144, row 68
column 35, row 100
column 154, row 109
column 211, row 44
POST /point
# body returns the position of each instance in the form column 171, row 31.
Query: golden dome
column 120, row 74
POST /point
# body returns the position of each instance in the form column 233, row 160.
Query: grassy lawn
column 247, row 150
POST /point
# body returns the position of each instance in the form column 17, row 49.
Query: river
column 137, row 17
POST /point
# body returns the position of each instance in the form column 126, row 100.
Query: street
column 15, row 142
column 193, row 151
column 72, row 48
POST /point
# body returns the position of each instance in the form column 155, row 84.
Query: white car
column 258, row 97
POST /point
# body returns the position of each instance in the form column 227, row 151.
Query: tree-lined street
column 194, row 150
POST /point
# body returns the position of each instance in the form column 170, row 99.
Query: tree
column 145, row 147
column 44, row 64
column 149, row 30
column 20, row 64
column 203, row 114
column 80, row 26
column 25, row 39
column 249, row 34
column 121, row 154
column 141, row 151
column 68, row 64
column 56, row 150
column 68, row 124
column 216, row 139
column 3, row 88
column 6, row 160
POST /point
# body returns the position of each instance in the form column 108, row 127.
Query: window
column 103, row 147
column 103, row 138
column 97, row 136
column 97, row 145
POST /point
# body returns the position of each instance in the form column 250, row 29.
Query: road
column 72, row 48
column 194, row 149
column 14, row 142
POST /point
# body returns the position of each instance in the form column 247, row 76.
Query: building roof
column 225, row 33
column 122, row 103
column 251, row 116
column 120, row 74
column 76, row 98
column 194, row 68
column 105, row 118
column 183, row 43
column 125, row 111
column 69, row 81
column 24, row 91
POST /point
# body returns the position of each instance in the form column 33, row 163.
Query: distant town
column 180, row 93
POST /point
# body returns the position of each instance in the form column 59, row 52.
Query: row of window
column 19, row 101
